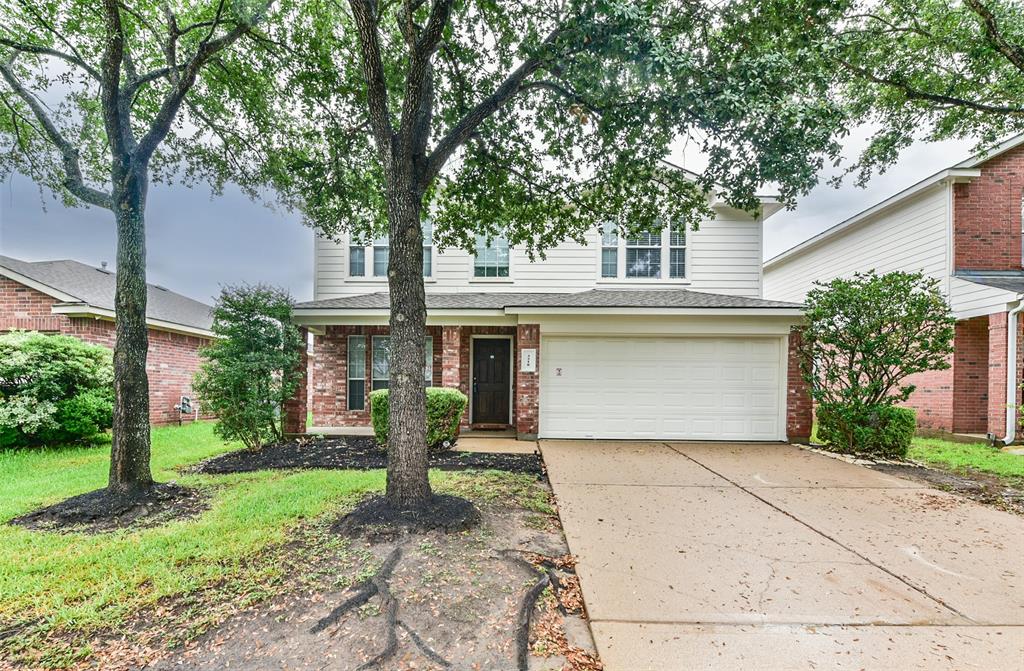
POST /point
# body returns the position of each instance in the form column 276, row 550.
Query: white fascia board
column 38, row 286
column 671, row 312
column 79, row 309
column 954, row 175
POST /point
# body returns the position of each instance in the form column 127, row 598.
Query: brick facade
column 987, row 215
column 971, row 376
column 933, row 399
column 297, row 407
column 527, row 384
column 171, row 363
column 799, row 406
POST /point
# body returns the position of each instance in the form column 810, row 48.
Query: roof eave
column 37, row 285
column 950, row 175
column 309, row 316
column 80, row 309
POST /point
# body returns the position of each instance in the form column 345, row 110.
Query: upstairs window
column 610, row 253
column 379, row 253
column 643, row 256
column 491, row 258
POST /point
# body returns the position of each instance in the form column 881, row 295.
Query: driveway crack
column 920, row 590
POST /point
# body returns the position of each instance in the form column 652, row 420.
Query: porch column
column 997, row 401
column 527, row 382
column 452, row 365
column 296, row 408
column 799, row 407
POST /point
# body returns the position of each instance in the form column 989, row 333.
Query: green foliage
column 53, row 389
column 973, row 456
column 915, row 69
column 445, row 407
column 866, row 334
column 884, row 431
column 251, row 368
column 616, row 87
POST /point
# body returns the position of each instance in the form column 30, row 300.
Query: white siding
column 972, row 300
column 911, row 236
column 724, row 256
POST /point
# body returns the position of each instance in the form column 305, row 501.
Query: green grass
column 974, row 456
column 87, row 582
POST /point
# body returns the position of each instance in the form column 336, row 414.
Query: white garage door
column 675, row 388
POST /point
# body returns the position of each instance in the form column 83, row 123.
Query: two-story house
column 962, row 225
column 659, row 336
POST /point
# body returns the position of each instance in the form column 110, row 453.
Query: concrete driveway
column 733, row 556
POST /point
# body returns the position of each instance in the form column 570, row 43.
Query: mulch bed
column 377, row 520
column 977, row 486
column 100, row 511
column 357, row 453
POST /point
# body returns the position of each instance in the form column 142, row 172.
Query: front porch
column 483, row 361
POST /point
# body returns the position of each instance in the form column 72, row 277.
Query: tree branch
column 418, row 103
column 1012, row 52
column 73, row 180
column 373, row 73
column 914, row 94
column 46, row 51
column 114, row 118
column 172, row 102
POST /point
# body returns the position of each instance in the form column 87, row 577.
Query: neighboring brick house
column 76, row 299
column 963, row 226
column 661, row 336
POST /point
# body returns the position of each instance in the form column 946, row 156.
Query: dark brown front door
column 491, row 391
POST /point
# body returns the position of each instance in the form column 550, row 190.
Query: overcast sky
column 197, row 243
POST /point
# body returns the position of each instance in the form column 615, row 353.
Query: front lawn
column 51, row 582
column 973, row 456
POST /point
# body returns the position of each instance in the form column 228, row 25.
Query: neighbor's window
column 491, row 259
column 357, row 372
column 677, row 254
column 428, row 246
column 380, row 257
column 610, row 253
column 382, row 363
column 643, row 255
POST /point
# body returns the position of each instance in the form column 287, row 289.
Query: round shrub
column 54, row 389
column 445, row 407
column 883, row 431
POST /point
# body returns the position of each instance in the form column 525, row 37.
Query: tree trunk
column 129, row 456
column 407, row 483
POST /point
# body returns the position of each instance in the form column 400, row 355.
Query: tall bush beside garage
column 54, row 389
column 864, row 336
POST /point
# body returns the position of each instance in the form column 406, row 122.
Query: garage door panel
column 673, row 388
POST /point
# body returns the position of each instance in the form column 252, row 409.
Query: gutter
column 1011, row 373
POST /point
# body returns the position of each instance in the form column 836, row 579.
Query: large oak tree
column 534, row 121
column 96, row 100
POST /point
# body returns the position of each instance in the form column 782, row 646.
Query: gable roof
column 659, row 299
column 82, row 288
column 962, row 171
column 1009, row 280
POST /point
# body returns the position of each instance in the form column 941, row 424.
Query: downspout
column 1011, row 373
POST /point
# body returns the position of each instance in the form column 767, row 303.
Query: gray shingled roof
column 95, row 287
column 1010, row 280
column 594, row 298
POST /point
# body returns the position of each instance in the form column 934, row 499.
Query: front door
column 491, row 389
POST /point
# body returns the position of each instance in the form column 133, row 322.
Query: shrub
column 251, row 368
column 445, row 407
column 54, row 389
column 883, row 431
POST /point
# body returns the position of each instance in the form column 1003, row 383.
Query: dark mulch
column 377, row 520
column 359, row 453
column 980, row 487
column 100, row 511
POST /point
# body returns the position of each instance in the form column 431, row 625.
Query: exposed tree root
column 389, row 605
column 364, row 591
column 430, row 653
column 526, row 608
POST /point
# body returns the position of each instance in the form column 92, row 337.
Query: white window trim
column 473, row 279
column 348, row 373
column 428, row 370
column 622, row 280
column 369, row 277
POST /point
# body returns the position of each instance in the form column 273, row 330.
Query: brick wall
column 933, row 399
column 527, row 385
column 296, row 408
column 329, row 394
column 997, row 334
column 987, row 215
column 172, row 359
column 970, row 376
column 799, row 407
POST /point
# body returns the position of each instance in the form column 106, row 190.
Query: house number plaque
column 528, row 361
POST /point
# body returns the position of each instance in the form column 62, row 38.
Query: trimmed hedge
column 445, row 407
column 879, row 431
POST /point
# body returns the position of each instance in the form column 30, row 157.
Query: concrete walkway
column 765, row 557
